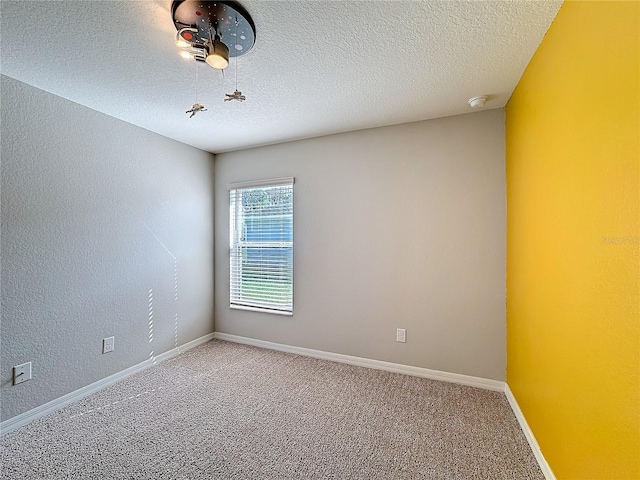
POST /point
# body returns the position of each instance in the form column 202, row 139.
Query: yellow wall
column 573, row 222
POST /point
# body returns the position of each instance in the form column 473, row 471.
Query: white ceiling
column 317, row 67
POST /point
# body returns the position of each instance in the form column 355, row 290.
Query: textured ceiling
column 317, row 67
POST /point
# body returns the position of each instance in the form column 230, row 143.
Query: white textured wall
column 399, row 226
column 81, row 192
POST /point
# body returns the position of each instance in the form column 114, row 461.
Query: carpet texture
column 228, row 411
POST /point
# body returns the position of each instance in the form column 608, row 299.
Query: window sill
column 261, row 310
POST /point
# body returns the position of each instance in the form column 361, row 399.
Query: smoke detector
column 477, row 102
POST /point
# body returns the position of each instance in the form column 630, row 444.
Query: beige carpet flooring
column 228, row 411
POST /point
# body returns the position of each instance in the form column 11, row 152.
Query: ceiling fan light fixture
column 217, row 54
column 181, row 43
column 184, row 37
column 219, row 29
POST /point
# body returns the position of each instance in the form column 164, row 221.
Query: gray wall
column 81, row 194
column 399, row 226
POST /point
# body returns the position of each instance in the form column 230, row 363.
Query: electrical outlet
column 401, row 335
column 108, row 344
column 21, row 373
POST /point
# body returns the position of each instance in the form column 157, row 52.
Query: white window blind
column 261, row 240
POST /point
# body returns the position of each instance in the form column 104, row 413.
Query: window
column 261, row 241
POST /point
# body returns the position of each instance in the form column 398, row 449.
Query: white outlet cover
column 401, row 335
column 21, row 373
column 108, row 344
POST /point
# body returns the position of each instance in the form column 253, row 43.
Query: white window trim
column 262, row 183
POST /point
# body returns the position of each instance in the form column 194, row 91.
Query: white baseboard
column 533, row 443
column 35, row 413
column 468, row 380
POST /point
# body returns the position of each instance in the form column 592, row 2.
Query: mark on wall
column 151, row 354
column 175, row 286
column 616, row 240
column 175, row 295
